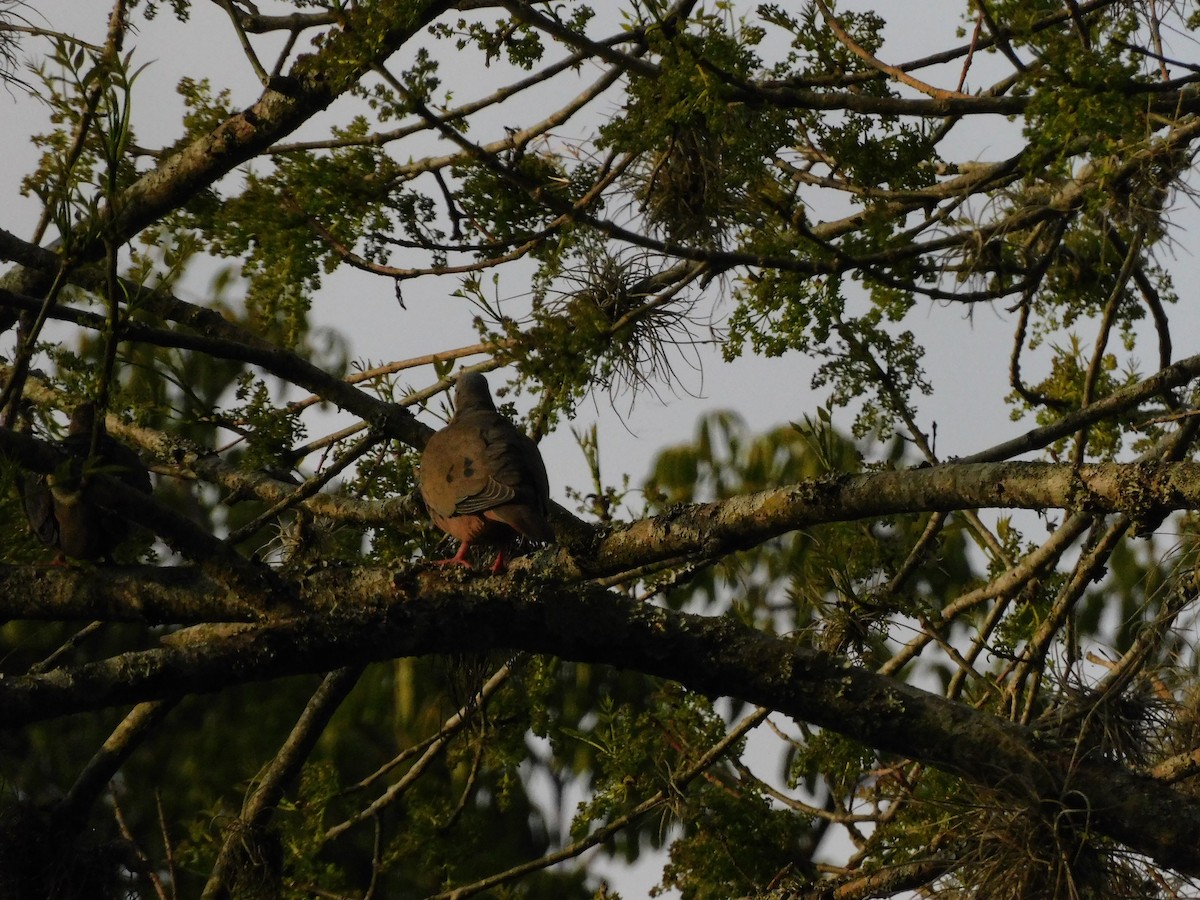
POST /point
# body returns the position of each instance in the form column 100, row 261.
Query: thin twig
column 678, row 782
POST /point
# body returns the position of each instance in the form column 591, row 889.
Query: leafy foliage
column 279, row 697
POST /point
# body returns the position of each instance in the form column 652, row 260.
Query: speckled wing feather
column 481, row 464
column 456, row 474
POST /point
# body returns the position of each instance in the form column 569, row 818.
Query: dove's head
column 471, row 394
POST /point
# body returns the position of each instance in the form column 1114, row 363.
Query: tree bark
column 423, row 612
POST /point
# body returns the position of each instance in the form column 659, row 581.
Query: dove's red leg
column 458, row 559
column 498, row 565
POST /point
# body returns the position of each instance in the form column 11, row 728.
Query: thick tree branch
column 706, row 530
column 208, row 332
column 366, row 36
column 717, row 656
column 249, row 581
column 262, row 803
column 1141, row 490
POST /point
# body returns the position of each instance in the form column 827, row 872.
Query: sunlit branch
column 309, row 488
column 135, row 728
column 273, row 116
column 397, row 420
column 259, row 23
column 893, row 72
column 1024, row 684
column 679, row 781
column 632, row 62
column 1111, row 306
column 284, row 768
column 1119, row 401
column 457, row 113
column 1003, row 586
column 236, row 17
column 998, row 37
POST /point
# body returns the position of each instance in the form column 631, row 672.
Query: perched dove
column 484, row 480
column 57, row 505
